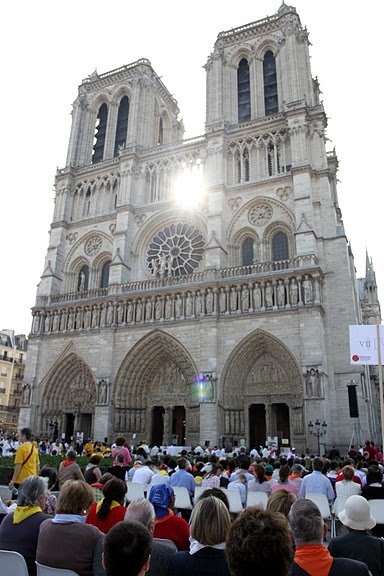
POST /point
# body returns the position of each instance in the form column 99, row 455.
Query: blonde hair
column 281, row 501
column 75, row 497
column 210, row 521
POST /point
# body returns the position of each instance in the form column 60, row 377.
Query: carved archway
column 157, row 372
column 68, row 389
column 261, row 371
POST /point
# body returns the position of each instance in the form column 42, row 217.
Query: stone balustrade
column 225, row 292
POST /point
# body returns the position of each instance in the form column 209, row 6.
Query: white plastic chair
column 135, row 491
column 377, row 510
column 12, row 564
column 198, row 492
column 234, row 499
column 182, row 498
column 259, row 499
column 43, row 570
column 322, row 503
column 166, row 542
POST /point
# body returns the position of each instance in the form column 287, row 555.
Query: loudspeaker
column 352, row 398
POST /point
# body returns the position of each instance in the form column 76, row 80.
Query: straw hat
column 357, row 514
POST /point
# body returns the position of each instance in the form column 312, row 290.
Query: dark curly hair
column 259, row 541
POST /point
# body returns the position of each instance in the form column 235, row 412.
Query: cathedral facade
column 223, row 322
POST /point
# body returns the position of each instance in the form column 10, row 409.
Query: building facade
column 223, row 322
column 13, row 355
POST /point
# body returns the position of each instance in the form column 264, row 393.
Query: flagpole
column 380, row 384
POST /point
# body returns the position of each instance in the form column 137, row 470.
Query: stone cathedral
column 224, row 321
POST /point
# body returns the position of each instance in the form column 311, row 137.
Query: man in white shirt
column 7, row 447
column 143, row 474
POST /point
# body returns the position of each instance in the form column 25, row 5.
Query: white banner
column 363, row 344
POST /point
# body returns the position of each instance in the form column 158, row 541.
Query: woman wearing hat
column 358, row 544
column 168, row 525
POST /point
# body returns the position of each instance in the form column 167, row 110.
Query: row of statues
column 241, row 298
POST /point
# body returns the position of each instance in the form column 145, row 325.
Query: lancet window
column 270, row 84
column 243, row 91
column 122, row 125
column 100, row 132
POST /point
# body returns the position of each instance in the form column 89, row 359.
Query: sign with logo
column 363, row 344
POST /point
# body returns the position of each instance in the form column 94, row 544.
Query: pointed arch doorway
column 68, row 398
column 153, row 397
column 262, row 393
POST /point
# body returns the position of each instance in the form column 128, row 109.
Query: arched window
column 104, row 281
column 122, row 125
column 270, row 84
column 82, row 279
column 100, row 131
column 247, row 254
column 280, row 249
column 243, row 91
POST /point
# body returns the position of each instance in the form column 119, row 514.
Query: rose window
column 175, row 251
column 260, row 215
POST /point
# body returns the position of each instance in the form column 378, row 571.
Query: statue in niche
column 313, row 383
column 155, row 267
column 47, row 322
column 307, row 288
column 87, row 317
column 297, row 420
column 148, row 310
column 26, row 395
column 233, row 299
column 55, row 323
column 168, row 267
column 268, row 295
column 198, row 304
column 188, row 305
column 63, row 320
column 158, row 308
column 280, row 293
column 257, row 297
column 209, row 301
column 222, row 301
column 178, row 306
column 95, row 316
column 245, row 299
column 82, row 281
column 36, row 323
column 139, row 311
column 103, row 391
column 168, row 307
column 70, row 319
column 130, row 312
column 293, row 292
column 109, row 314
column 78, row 319
column 120, row 313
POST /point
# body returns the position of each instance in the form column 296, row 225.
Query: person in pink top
column 283, row 482
column 120, row 448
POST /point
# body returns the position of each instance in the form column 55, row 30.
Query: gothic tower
column 222, row 322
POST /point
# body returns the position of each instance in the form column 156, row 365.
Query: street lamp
column 318, row 430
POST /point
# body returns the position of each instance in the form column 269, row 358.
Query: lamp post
column 318, row 430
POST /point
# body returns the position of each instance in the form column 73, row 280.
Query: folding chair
column 43, row 570
column 166, row 542
column 259, row 499
column 182, row 498
column 235, row 505
column 12, row 564
column 377, row 510
column 322, row 503
column 135, row 491
column 198, row 492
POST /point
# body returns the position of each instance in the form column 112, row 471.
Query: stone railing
column 227, row 292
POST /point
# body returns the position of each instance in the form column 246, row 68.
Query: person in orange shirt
column 27, row 461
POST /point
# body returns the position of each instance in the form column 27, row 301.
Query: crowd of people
column 79, row 517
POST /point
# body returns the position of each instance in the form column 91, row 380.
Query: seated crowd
column 89, row 526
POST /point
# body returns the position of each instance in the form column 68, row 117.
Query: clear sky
column 49, row 47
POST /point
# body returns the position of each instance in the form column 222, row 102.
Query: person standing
column 27, row 461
